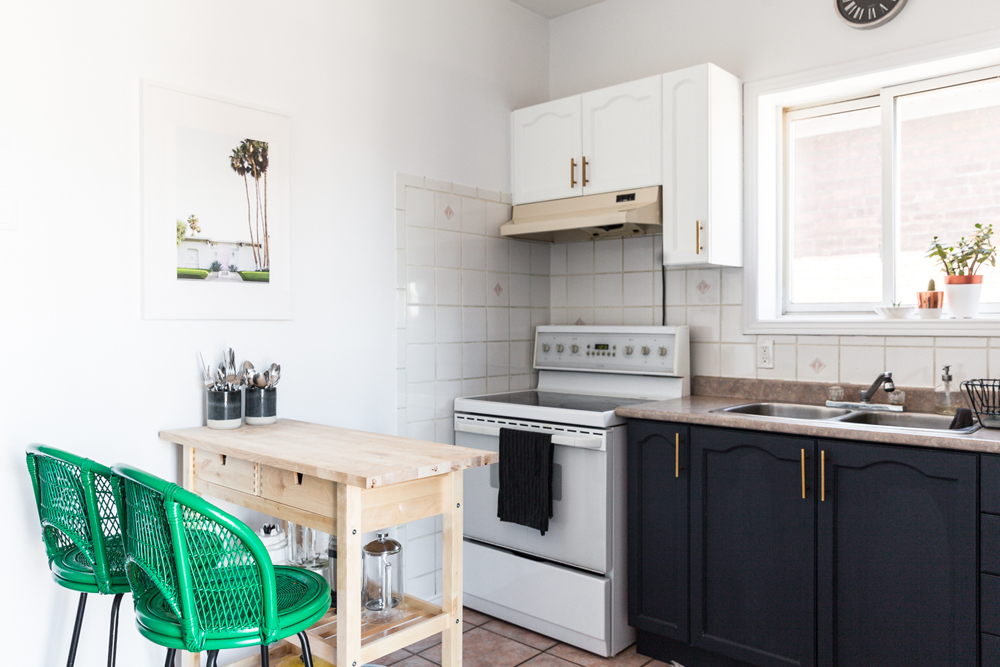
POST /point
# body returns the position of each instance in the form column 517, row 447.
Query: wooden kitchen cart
column 345, row 483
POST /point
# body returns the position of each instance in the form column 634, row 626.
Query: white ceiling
column 553, row 8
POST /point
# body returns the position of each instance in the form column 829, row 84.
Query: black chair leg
column 113, row 636
column 213, row 658
column 265, row 657
column 307, row 656
column 80, row 607
column 171, row 653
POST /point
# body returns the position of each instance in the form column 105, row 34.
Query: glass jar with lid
column 382, row 597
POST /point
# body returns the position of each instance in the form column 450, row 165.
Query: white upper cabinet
column 702, row 167
column 546, row 155
column 621, row 137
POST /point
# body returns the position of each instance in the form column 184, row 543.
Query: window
column 867, row 183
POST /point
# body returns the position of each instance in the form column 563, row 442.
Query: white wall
column 621, row 40
column 371, row 87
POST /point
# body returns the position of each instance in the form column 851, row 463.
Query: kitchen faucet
column 883, row 378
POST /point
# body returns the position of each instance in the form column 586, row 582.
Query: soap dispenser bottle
column 946, row 398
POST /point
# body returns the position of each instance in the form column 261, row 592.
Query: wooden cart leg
column 451, row 594
column 348, row 576
column 187, row 481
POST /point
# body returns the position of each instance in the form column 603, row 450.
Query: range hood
column 608, row 215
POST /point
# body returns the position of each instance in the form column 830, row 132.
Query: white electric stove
column 569, row 584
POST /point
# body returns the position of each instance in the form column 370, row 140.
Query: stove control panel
column 642, row 350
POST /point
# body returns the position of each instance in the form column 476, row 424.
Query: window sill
column 987, row 324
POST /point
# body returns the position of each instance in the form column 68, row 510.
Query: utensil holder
column 262, row 406
column 224, row 409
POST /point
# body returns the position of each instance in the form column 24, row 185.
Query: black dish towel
column 525, row 464
column 962, row 419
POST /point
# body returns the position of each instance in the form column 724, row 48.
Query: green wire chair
column 202, row 580
column 79, row 520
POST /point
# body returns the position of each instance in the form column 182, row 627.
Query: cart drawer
column 226, row 471
column 297, row 490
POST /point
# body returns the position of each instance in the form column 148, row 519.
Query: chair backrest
column 212, row 570
column 76, row 508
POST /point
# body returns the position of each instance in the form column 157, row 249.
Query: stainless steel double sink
column 882, row 421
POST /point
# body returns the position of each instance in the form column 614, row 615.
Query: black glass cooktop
column 548, row 399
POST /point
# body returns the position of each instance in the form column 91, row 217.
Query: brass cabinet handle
column 677, row 455
column 585, row 181
column 697, row 237
column 572, row 173
column 803, row 474
column 822, row 476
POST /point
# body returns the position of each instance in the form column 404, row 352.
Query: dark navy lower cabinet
column 806, row 553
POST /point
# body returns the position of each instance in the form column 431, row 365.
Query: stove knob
column 645, row 350
column 559, row 347
column 628, row 349
column 545, row 347
column 574, row 349
column 663, row 351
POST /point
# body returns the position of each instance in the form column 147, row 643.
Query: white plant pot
column 962, row 301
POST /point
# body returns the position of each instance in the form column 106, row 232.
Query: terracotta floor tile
column 433, row 640
column 392, row 658
column 627, row 658
column 548, row 660
column 474, row 617
column 481, row 648
column 412, row 661
column 517, row 633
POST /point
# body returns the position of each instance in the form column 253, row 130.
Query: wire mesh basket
column 984, row 397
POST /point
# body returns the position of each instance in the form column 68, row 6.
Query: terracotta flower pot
column 963, row 280
column 930, row 299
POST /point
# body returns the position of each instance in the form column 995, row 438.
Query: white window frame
column 765, row 102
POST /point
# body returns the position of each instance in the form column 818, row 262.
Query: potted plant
column 930, row 302
column 962, row 284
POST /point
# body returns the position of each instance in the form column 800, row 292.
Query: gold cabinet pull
column 585, row 181
column 677, row 455
column 803, row 474
column 572, row 173
column 822, row 476
column 697, row 237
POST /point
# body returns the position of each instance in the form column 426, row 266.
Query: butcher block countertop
column 345, row 456
column 699, row 410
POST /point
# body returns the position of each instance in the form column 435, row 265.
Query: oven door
column 579, row 530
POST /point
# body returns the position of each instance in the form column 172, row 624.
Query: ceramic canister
column 224, row 409
column 262, row 406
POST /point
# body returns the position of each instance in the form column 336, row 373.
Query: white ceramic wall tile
column 580, row 257
column 520, row 357
column 705, row 359
column 419, row 246
column 420, row 363
column 444, row 433
column 489, row 195
column 498, row 384
column 448, row 324
column 473, row 288
column 498, row 324
column 496, row 216
column 558, row 316
column 420, row 285
column 541, row 292
column 607, row 290
column 473, row 252
column 448, row 362
column 473, row 363
column 658, row 288
column 676, row 315
column 704, row 323
column 473, row 325
column 448, row 211
column 637, row 288
column 400, row 308
column 539, row 316
column 703, row 286
column 558, row 291
column 435, row 184
column 541, row 259
column 818, row 340
column 400, row 230
column 966, row 363
column 506, row 197
column 958, row 341
column 909, row 341
column 861, row 364
column 448, row 287
column 520, row 290
column 738, row 360
column 520, row 324
column 607, row 317
column 400, row 269
column 657, row 251
column 676, row 288
column 580, row 291
column 732, row 286
column 910, row 366
column 419, row 556
column 497, row 289
column 818, row 363
column 420, row 324
column 993, row 358
column 445, row 394
column 784, row 364
column 520, row 256
column 404, row 181
column 608, row 256
column 448, row 249
column 732, row 326
column 580, row 316
column 497, row 359
column 557, row 259
column 638, row 253
column 464, row 190
column 421, row 430
column 476, row 386
column 419, row 208
column 637, row 317
column 420, row 528
column 419, row 401
column 497, row 255
column 520, row 382
column 473, row 216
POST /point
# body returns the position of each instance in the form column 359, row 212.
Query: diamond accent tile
column 449, row 213
column 497, row 289
column 702, row 287
column 580, row 322
column 817, row 365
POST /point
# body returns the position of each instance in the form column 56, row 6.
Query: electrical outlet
column 765, row 354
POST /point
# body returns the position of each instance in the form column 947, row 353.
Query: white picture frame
column 166, row 111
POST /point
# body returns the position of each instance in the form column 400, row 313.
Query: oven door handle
column 561, row 440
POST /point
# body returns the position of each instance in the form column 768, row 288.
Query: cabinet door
column 546, row 145
column 658, row 528
column 753, row 558
column 897, row 557
column 621, row 136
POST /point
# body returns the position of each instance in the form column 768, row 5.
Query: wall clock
column 868, row 13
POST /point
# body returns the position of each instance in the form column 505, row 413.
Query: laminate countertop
column 699, row 410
